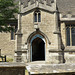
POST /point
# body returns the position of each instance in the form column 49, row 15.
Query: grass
column 26, row 72
column 9, row 60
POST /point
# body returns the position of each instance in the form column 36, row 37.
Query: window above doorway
column 37, row 16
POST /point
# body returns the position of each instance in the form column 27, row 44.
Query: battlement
column 49, row 5
column 30, row 2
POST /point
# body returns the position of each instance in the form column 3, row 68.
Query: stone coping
column 43, row 68
column 50, row 68
column 12, row 65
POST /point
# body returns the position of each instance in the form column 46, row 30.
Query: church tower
column 38, row 36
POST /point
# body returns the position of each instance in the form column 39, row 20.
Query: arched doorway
column 37, row 49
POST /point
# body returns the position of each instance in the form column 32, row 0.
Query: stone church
column 45, row 32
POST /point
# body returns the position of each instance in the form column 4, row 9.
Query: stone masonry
column 46, row 30
column 51, row 29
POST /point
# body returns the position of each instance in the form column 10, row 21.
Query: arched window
column 70, row 35
column 37, row 16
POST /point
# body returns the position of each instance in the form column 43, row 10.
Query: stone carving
column 41, row 1
column 25, row 3
column 32, row 1
column 48, row 2
column 52, row 1
column 64, row 16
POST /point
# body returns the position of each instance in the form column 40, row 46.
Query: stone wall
column 56, row 74
column 7, row 45
column 51, row 69
column 69, row 51
column 12, row 69
column 47, row 26
column 36, row 69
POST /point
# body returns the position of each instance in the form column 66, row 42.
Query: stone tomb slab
column 7, row 68
column 36, row 69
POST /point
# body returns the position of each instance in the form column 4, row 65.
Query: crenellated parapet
column 25, row 2
column 49, row 5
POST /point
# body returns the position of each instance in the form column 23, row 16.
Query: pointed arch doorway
column 37, row 48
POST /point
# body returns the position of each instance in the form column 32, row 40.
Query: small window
column 13, row 33
column 68, row 36
column 73, row 36
column 37, row 16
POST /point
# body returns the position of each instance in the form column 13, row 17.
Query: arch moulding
column 38, row 33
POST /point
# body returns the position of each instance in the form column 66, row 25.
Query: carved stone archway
column 37, row 35
column 37, row 50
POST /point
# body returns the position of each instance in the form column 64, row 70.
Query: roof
column 66, row 6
